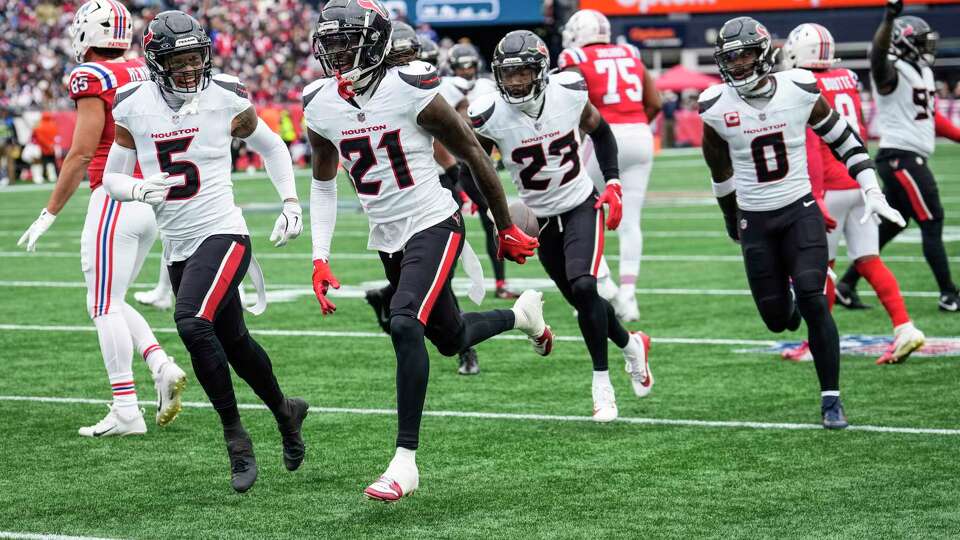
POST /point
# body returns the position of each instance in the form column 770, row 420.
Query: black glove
column 894, row 7
column 732, row 230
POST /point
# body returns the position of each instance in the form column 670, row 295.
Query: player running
column 622, row 90
column 381, row 121
column 535, row 120
column 116, row 236
column 810, row 46
column 755, row 145
column 179, row 125
column 904, row 49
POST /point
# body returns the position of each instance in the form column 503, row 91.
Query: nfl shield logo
column 361, row 117
column 537, row 126
column 743, row 224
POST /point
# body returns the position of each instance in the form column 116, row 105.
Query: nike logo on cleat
column 100, row 433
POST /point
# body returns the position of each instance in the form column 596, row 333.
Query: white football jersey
column 195, row 147
column 475, row 88
column 388, row 155
column 543, row 154
column 451, row 92
column 905, row 116
column 767, row 146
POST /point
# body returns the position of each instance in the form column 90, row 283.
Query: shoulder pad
column 231, row 84
column 125, row 92
column 569, row 57
column 461, row 83
column 481, row 110
column 311, row 90
column 709, row 97
column 90, row 79
column 804, row 79
column 419, row 75
column 570, row 80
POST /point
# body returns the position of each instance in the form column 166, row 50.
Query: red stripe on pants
column 113, row 231
column 913, row 193
column 440, row 279
column 96, row 282
column 222, row 283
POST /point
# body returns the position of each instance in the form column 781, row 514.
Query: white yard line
column 43, row 536
column 532, row 417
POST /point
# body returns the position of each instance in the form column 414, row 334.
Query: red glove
column 827, row 218
column 345, row 88
column 323, row 279
column 613, row 198
column 515, row 245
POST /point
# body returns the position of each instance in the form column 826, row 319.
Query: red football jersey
column 101, row 80
column 614, row 75
column 841, row 88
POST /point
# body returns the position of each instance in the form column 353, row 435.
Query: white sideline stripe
column 43, row 536
column 533, row 417
column 333, row 333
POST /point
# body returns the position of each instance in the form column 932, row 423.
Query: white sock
column 601, row 378
column 144, row 340
column 117, row 348
column 163, row 281
column 603, row 270
column 402, row 461
column 628, row 289
column 830, row 393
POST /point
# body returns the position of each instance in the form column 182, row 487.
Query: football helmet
column 404, row 45
column 744, row 53
column 167, row 44
column 521, row 63
column 429, row 52
column 465, row 56
column 914, row 40
column 585, row 27
column 352, row 38
column 102, row 24
column 809, row 46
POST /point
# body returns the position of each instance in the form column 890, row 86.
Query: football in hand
column 523, row 217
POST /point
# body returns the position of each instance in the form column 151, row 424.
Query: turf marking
column 43, row 536
column 529, row 417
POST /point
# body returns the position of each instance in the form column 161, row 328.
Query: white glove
column 36, row 230
column 153, row 190
column 289, row 224
column 875, row 204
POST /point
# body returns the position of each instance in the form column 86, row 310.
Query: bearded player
column 180, row 125
column 622, row 90
column 811, row 46
column 535, row 119
column 381, row 122
column 755, row 146
column 116, row 236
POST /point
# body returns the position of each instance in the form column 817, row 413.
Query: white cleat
column 637, row 363
column 170, row 382
column 528, row 312
column 907, row 339
column 626, row 307
column 159, row 298
column 607, row 288
column 399, row 481
column 604, row 403
column 117, row 423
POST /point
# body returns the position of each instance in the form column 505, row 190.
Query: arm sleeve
column 945, row 127
column 848, row 148
column 605, row 146
column 276, row 159
column 117, row 179
column 323, row 216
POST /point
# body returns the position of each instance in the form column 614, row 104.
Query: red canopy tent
column 679, row 78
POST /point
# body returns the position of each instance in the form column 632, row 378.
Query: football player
column 179, row 125
column 381, row 121
column 622, row 90
column 406, row 47
column 755, row 146
column 904, row 49
column 116, row 236
column 810, row 46
column 535, row 120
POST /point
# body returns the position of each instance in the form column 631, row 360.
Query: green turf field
column 531, row 465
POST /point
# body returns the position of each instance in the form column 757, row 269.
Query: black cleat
column 831, row 411
column 294, row 449
column 950, row 302
column 847, row 297
column 243, row 464
column 469, row 365
column 381, row 307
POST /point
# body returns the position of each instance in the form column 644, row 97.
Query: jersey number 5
column 617, row 69
column 924, row 101
column 366, row 158
column 759, row 148
column 186, row 169
column 565, row 146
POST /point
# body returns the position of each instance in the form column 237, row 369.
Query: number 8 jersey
column 194, row 147
column 767, row 146
column 542, row 154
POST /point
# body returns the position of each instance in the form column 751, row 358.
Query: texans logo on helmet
column 374, row 5
column 542, row 49
column 762, row 30
column 147, row 38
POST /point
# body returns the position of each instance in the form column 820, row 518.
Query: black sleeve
column 728, row 204
column 605, row 146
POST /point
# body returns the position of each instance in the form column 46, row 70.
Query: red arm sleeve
column 945, row 128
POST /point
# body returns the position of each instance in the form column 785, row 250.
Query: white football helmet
column 585, row 27
column 809, row 46
column 101, row 23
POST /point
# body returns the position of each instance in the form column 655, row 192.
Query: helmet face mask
column 185, row 69
column 178, row 54
column 518, row 82
column 744, row 53
column 520, row 67
column 914, row 40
